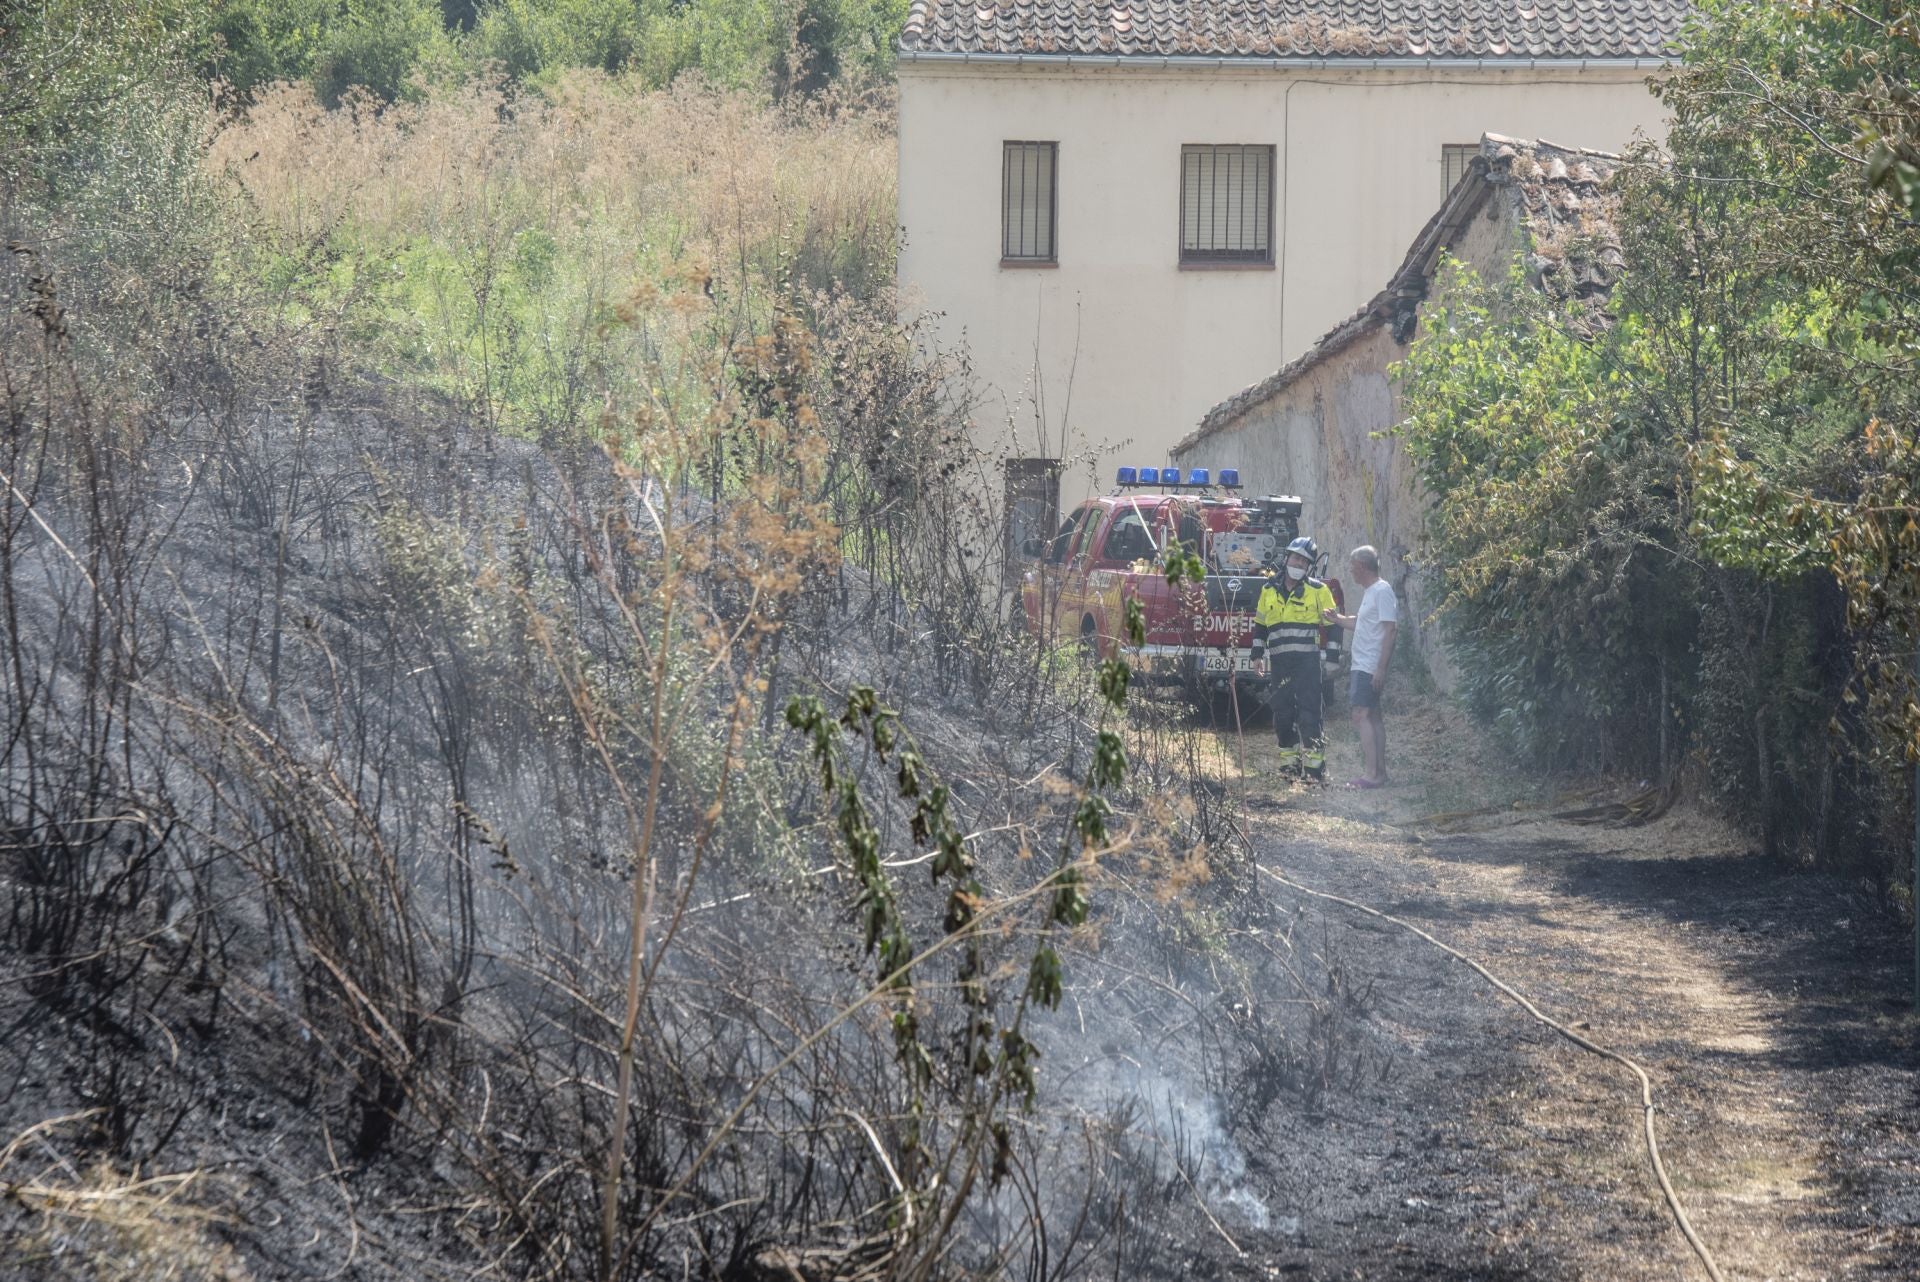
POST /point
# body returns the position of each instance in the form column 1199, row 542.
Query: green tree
column 258, row 42
column 1807, row 468
column 529, row 37
column 1714, row 495
column 69, row 69
column 1888, row 107
column 793, row 47
column 1555, row 537
column 376, row 45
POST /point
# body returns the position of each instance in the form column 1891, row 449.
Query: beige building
column 1321, row 426
column 1123, row 208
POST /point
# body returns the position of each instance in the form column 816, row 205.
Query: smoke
column 1186, row 1126
column 1165, row 1122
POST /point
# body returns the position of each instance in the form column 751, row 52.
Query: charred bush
column 415, row 807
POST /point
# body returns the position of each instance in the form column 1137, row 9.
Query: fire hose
column 1585, row 1044
column 1679, row 1212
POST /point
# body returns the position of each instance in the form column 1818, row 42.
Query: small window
column 1027, row 202
column 1226, row 204
column 1033, row 502
column 1454, row 159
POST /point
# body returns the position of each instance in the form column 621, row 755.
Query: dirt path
column 1768, row 1005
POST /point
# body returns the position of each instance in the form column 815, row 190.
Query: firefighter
column 1286, row 636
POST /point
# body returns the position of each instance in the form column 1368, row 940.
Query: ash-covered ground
column 1237, row 1081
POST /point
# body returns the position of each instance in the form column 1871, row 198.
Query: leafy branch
column 993, row 1061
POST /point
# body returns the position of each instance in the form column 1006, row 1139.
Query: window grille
column 1028, row 201
column 1226, row 203
column 1454, row 159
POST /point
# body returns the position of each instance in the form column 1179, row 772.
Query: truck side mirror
column 1031, row 549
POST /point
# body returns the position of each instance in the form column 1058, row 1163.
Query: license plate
column 1221, row 663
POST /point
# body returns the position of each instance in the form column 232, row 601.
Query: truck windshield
column 1128, row 540
column 1062, row 543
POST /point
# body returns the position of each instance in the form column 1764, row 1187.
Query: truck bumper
column 1187, row 664
column 1206, row 667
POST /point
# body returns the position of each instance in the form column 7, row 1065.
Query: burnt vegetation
column 567, row 813
column 512, row 846
column 513, row 763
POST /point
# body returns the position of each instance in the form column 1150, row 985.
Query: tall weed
column 487, row 245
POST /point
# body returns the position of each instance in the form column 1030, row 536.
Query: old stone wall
column 1327, row 435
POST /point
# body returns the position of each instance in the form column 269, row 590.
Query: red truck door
column 1054, row 592
column 1125, row 538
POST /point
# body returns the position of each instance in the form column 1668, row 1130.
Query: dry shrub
column 622, row 178
column 458, row 758
column 407, row 696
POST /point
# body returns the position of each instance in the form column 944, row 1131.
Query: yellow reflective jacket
column 1286, row 619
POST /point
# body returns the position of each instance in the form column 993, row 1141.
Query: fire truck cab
column 1114, row 547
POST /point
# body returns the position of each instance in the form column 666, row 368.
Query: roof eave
column 1157, row 62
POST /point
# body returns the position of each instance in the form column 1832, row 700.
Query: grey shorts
column 1360, row 693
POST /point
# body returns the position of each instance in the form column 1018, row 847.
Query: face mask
column 1296, row 572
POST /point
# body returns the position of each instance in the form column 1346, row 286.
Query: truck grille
column 1233, row 592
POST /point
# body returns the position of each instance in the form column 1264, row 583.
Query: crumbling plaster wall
column 1327, row 436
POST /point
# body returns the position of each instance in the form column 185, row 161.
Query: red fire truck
column 1113, row 547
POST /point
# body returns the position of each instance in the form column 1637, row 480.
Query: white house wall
column 1122, row 349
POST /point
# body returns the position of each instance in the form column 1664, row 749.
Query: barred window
column 1454, row 159
column 1226, row 203
column 1027, row 202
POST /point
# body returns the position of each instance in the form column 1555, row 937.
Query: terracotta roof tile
column 1298, row 28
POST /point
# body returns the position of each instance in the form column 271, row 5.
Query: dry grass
column 488, row 246
column 106, row 1225
column 606, row 168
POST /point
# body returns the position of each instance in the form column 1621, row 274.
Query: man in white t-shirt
column 1374, row 625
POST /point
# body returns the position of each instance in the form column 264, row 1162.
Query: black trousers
column 1294, row 691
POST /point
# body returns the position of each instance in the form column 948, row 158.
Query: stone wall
column 1326, row 434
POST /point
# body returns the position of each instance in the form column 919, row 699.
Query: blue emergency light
column 1198, row 478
